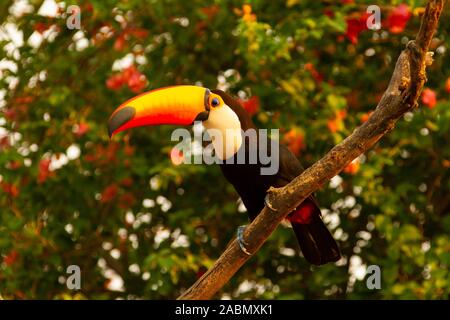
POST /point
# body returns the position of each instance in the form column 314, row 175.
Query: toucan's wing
column 289, row 167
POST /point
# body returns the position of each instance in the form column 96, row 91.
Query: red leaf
column 10, row 114
column 88, row 7
column 41, row 27
column 136, row 81
column 109, row 192
column 355, row 26
column 128, row 72
column 251, row 105
column 15, row 164
column 120, row 42
column 314, row 73
column 24, row 100
column 139, row 33
column 398, row 18
column 129, row 150
column 126, row 200
column 211, row 11
column 11, row 257
column 127, row 182
column 115, row 82
column 447, row 85
column 90, row 158
column 429, row 98
column 328, row 13
column 44, row 171
column 341, row 114
column 365, row 116
column 10, row 188
column 352, row 167
column 81, row 129
column 4, row 142
column 294, row 140
column 333, row 125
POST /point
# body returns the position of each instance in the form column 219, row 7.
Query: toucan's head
column 182, row 105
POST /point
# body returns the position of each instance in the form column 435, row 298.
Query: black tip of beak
column 120, row 118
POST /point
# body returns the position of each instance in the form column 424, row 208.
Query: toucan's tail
column 316, row 242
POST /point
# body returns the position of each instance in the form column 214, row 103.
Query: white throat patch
column 224, row 128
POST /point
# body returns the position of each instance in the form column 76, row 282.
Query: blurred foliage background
column 140, row 226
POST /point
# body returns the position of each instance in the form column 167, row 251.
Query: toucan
column 220, row 112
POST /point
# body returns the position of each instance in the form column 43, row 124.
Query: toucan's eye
column 215, row 102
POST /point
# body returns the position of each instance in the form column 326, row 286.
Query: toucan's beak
column 181, row 105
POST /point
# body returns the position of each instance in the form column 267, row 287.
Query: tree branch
column 400, row 97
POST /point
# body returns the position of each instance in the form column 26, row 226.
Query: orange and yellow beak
column 181, row 105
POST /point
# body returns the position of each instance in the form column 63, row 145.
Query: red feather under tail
column 316, row 242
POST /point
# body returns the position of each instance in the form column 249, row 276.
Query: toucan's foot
column 268, row 203
column 240, row 239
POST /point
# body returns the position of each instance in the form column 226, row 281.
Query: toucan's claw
column 240, row 239
column 268, row 203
